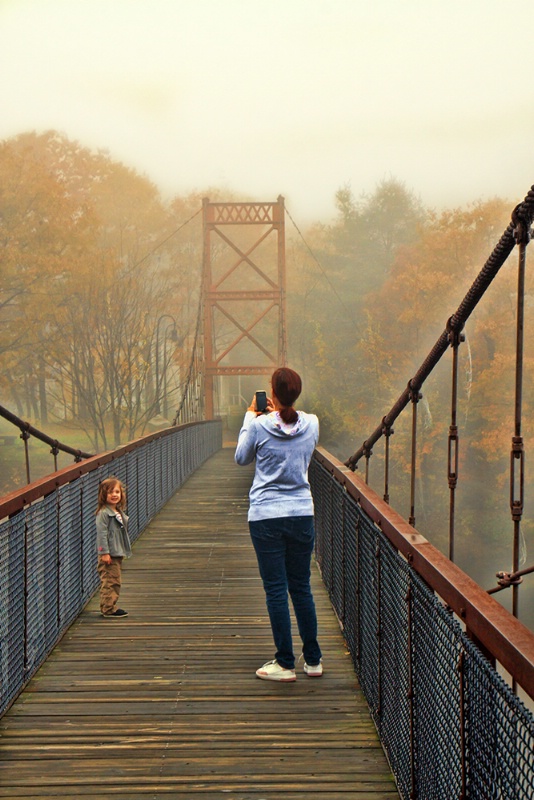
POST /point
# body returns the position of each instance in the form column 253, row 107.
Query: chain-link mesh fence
column 449, row 724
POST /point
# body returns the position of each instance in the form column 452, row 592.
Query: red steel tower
column 243, row 290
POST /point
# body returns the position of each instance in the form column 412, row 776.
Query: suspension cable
column 28, row 430
column 192, row 374
column 164, row 241
column 455, row 324
column 322, row 270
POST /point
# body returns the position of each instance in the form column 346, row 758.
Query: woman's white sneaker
column 272, row 671
column 314, row 671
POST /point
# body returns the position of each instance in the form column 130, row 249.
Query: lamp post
column 174, row 337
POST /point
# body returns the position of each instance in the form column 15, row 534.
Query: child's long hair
column 105, row 487
column 287, row 386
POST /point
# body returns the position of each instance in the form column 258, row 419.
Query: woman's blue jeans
column 284, row 547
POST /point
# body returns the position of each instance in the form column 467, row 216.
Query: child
column 112, row 544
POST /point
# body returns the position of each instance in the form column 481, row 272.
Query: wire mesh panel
column 323, row 522
column 499, row 732
column 351, row 601
column 394, row 718
column 89, row 492
column 12, row 605
column 70, row 552
column 368, row 621
column 337, row 545
column 436, row 650
column 150, row 453
column 48, row 549
column 142, row 489
column 449, row 724
column 42, row 578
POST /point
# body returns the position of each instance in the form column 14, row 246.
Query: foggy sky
column 291, row 97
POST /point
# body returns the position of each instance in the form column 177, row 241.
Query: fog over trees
column 99, row 273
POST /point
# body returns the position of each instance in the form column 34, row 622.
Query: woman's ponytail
column 287, row 386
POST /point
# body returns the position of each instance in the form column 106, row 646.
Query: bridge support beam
column 244, row 291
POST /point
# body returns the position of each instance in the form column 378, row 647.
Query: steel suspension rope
column 28, row 430
column 194, row 370
column 455, row 324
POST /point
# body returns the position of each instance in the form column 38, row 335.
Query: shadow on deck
column 166, row 704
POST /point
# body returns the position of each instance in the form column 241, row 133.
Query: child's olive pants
column 110, row 584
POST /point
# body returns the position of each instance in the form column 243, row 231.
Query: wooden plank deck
column 165, row 703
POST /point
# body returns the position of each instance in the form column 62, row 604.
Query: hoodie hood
column 274, row 424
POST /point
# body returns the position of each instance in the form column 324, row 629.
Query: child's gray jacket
column 112, row 533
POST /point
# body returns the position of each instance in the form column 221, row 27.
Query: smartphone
column 261, row 401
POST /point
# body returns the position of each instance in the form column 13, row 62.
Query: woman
column 281, row 519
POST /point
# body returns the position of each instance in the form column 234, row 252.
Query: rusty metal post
column 279, row 215
column 58, row 560
column 461, row 678
column 55, row 451
column 26, row 594
column 207, row 311
column 517, row 484
column 368, row 453
column 25, row 436
column 388, row 432
column 410, row 692
column 378, row 556
column 415, row 396
column 343, row 556
column 452, row 458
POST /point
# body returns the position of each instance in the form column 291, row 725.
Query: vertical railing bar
column 343, row 554
column 55, row 451
column 137, row 506
column 162, row 451
column 461, row 676
column 410, row 693
column 25, row 436
column 452, row 454
column 522, row 238
column 388, row 431
column 82, row 584
column 358, row 590
column 415, row 396
column 378, row 556
column 58, row 562
column 368, row 453
column 332, row 487
column 26, row 593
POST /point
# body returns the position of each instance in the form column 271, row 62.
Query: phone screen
column 261, row 401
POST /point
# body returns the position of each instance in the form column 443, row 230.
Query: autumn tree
column 337, row 269
column 89, row 269
column 41, row 227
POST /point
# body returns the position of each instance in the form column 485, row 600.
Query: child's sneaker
column 314, row 671
column 118, row 614
column 272, row 671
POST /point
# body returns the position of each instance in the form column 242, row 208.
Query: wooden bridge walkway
column 165, row 703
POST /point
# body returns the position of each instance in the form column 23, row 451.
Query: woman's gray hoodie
column 283, row 453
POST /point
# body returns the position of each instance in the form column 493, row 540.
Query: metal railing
column 27, row 430
column 518, row 233
column 48, row 539
column 425, row 640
